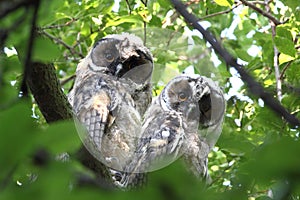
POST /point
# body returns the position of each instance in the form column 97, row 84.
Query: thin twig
column 253, row 86
column 58, row 41
column 292, row 88
column 145, row 33
column 78, row 43
column 264, row 13
column 145, row 24
column 59, row 25
column 220, row 13
column 129, row 7
column 66, row 80
column 276, row 57
column 284, row 70
column 144, row 2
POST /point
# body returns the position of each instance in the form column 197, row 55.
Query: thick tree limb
column 47, row 92
column 54, row 105
column 254, row 86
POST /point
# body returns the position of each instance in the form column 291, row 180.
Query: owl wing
column 94, row 106
column 107, row 112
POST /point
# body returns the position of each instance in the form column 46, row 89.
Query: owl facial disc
column 123, row 56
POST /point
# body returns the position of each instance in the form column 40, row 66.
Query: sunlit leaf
column 283, row 58
column 223, row 3
column 125, row 19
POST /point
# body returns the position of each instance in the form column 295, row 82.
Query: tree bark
column 47, row 92
column 53, row 103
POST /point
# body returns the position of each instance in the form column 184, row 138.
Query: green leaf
column 60, row 137
column 283, row 31
column 283, row 58
column 285, row 45
column 293, row 4
column 85, row 29
column 275, row 159
column 45, row 50
column 223, row 3
column 17, row 135
column 241, row 53
column 125, row 19
column 235, row 143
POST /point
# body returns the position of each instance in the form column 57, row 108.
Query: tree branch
column 220, row 13
column 129, row 7
column 59, row 25
column 47, row 92
column 266, row 14
column 254, row 87
column 54, row 105
column 58, row 41
column 276, row 57
column 284, row 70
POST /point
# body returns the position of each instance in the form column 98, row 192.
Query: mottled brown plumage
column 173, row 124
column 111, row 92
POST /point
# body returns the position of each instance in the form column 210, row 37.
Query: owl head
column 197, row 97
column 123, row 56
column 182, row 92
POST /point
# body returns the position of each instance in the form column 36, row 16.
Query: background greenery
column 257, row 155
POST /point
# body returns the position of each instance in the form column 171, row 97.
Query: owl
column 123, row 56
column 173, row 124
column 111, row 92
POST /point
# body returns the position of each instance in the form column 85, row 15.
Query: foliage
column 257, row 151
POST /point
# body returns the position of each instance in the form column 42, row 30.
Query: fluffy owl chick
column 170, row 128
column 111, row 92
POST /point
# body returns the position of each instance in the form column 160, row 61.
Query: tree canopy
column 256, row 156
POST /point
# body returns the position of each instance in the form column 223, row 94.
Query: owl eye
column 109, row 57
column 182, row 96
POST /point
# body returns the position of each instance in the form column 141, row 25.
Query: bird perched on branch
column 112, row 90
column 184, row 120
